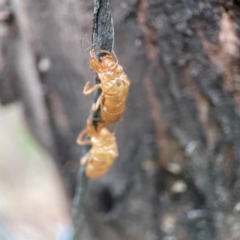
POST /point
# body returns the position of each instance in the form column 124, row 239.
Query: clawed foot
column 86, row 89
column 95, row 107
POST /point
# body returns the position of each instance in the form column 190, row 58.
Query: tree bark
column 177, row 175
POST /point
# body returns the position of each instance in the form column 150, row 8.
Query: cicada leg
column 115, row 57
column 96, row 105
column 92, row 53
column 116, row 61
column 84, row 159
column 87, row 91
column 115, row 129
column 80, row 139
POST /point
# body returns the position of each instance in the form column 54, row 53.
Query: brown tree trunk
column 178, row 172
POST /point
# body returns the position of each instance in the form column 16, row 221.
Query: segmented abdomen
column 101, row 159
column 113, row 102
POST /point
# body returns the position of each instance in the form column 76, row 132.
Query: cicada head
column 105, row 63
column 106, row 136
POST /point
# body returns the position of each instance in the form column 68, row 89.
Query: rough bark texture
column 178, row 173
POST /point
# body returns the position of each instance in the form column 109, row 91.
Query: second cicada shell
column 104, row 150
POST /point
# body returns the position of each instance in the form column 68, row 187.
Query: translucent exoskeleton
column 104, row 149
column 114, row 84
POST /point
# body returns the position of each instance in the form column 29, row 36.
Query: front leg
column 87, row 91
column 80, row 137
column 96, row 105
column 84, row 159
